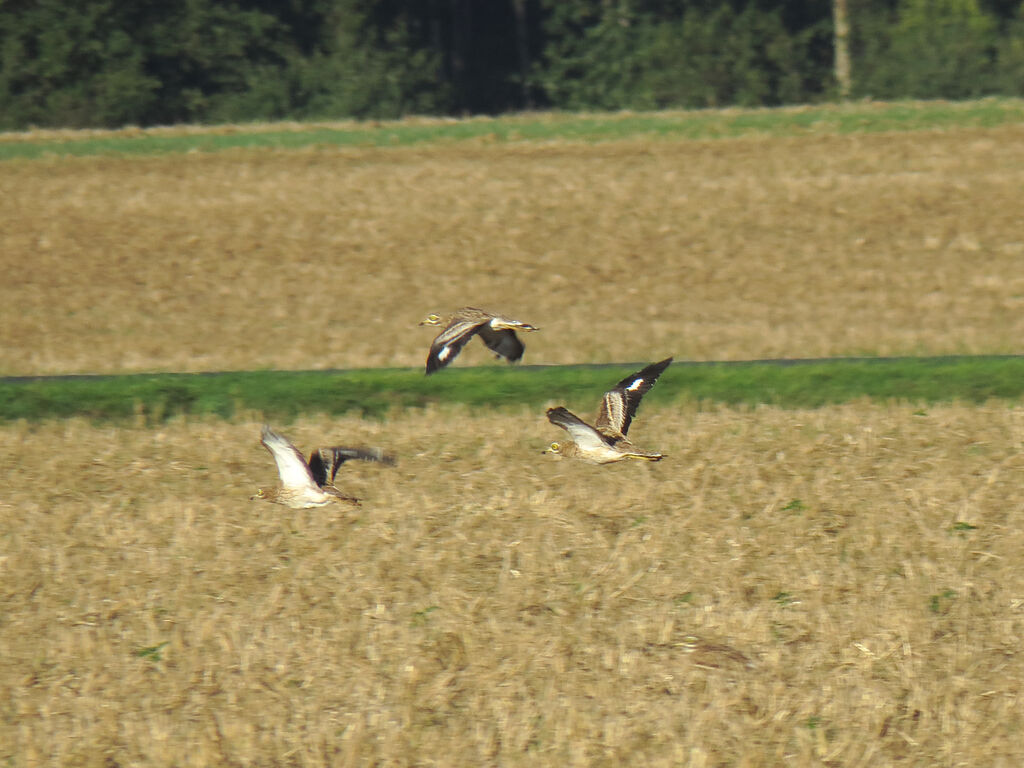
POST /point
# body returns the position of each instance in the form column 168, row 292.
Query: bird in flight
column 306, row 484
column 497, row 332
column 606, row 441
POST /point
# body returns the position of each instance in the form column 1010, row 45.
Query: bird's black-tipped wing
column 504, row 343
column 620, row 403
column 447, row 344
column 324, row 462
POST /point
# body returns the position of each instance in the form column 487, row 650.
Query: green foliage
column 1009, row 74
column 152, row 653
column 105, row 63
column 594, row 57
column 724, row 57
column 209, row 56
column 931, row 49
column 357, row 76
column 422, row 618
column 100, row 62
column 705, row 58
column 942, row 602
column 703, row 124
column 70, row 65
column 962, row 527
column 376, row 392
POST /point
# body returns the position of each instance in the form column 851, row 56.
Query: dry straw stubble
column 740, row 248
column 837, row 585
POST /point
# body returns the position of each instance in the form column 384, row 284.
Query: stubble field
column 838, row 586
column 831, row 587
column 898, row 243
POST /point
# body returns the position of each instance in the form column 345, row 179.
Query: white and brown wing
column 620, row 403
column 584, row 435
column 496, row 331
column 291, row 465
column 449, row 342
column 324, row 462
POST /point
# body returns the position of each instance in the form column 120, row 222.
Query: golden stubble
column 836, row 586
column 632, row 250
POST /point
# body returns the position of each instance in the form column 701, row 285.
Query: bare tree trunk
column 841, row 42
column 523, row 50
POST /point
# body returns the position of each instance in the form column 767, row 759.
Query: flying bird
column 496, row 331
column 606, row 441
column 306, row 484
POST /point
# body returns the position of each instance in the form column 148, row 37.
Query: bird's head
column 431, row 320
column 555, row 448
column 260, row 494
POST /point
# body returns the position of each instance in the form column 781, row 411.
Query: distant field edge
column 819, row 119
column 376, row 392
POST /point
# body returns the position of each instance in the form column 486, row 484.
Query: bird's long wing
column 447, row 345
column 291, row 466
column 503, row 343
column 584, row 435
column 324, row 462
column 620, row 403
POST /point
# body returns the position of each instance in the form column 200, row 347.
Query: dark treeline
column 147, row 62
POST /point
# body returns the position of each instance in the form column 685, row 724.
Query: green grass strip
column 856, row 117
column 282, row 395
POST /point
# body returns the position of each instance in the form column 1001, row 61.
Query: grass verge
column 865, row 117
column 375, row 392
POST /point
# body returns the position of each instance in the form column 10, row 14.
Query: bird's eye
column 555, row 447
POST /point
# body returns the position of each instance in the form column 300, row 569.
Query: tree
column 841, row 43
column 931, row 49
column 108, row 63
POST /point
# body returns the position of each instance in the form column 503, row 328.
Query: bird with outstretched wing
column 306, row 484
column 606, row 440
column 497, row 332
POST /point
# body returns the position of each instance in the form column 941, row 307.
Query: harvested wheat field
column 898, row 243
column 830, row 587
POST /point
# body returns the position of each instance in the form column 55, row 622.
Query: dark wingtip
column 559, row 411
column 433, row 365
column 659, row 367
